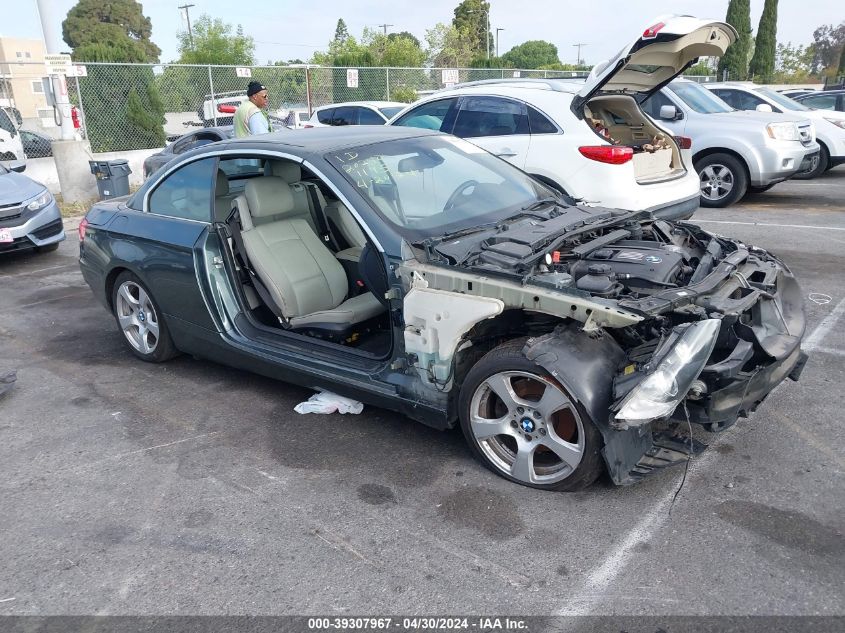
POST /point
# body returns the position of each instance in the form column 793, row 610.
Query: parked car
column 354, row 113
column 795, row 92
column 414, row 271
column 591, row 140
column 185, row 143
column 734, row 152
column 827, row 100
column 11, row 146
column 829, row 126
column 296, row 118
column 29, row 216
column 36, row 145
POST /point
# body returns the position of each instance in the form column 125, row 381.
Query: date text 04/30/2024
column 417, row 623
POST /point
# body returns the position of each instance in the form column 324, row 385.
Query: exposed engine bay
column 674, row 313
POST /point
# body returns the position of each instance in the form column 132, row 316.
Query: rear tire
column 824, row 161
column 140, row 320
column 524, row 426
column 722, row 178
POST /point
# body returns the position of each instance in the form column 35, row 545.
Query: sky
column 289, row 29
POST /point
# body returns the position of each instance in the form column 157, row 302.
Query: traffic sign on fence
column 77, row 70
column 243, row 72
column 351, row 77
column 57, row 64
column 450, row 76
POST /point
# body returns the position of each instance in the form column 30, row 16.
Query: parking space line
column 600, row 577
column 35, row 303
column 824, row 328
column 785, row 226
column 829, row 350
column 39, row 270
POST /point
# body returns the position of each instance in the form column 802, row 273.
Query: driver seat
column 302, row 276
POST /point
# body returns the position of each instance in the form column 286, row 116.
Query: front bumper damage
column 757, row 345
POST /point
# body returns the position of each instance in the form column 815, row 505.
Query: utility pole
column 578, row 46
column 384, row 26
column 498, row 28
column 487, row 32
column 186, row 7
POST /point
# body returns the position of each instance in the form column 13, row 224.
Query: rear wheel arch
column 111, row 278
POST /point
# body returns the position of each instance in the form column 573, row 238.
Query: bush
column 405, row 94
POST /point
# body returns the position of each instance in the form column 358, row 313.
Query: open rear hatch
column 665, row 49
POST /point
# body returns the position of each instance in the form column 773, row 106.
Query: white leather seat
column 302, row 276
column 339, row 216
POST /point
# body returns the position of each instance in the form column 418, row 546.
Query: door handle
column 507, row 153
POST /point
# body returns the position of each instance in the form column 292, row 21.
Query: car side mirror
column 764, row 107
column 669, row 112
column 17, row 166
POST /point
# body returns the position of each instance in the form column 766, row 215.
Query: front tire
column 722, row 178
column 824, row 162
column 524, row 426
column 140, row 320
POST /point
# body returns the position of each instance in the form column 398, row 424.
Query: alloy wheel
column 717, row 181
column 527, row 427
column 137, row 317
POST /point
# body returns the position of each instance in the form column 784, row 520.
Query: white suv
column 354, row 113
column 590, row 140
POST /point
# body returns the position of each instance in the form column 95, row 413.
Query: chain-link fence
column 141, row 106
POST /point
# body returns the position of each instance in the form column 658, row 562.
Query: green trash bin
column 112, row 177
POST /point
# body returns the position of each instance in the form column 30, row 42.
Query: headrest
column 221, row 186
column 286, row 170
column 268, row 196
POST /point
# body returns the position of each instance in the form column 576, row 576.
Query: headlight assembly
column 783, row 131
column 40, row 202
column 837, row 122
column 663, row 389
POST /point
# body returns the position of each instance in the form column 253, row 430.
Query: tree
column 405, row 35
column 118, row 24
column 762, row 67
column 213, row 42
column 735, row 59
column 449, row 46
column 793, row 63
column 398, row 51
column 122, row 104
column 473, row 17
column 341, row 33
column 828, row 42
column 531, row 54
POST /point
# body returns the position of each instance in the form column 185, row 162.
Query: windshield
column 391, row 111
column 698, row 98
column 431, row 185
column 782, row 100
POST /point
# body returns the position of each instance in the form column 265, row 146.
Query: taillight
column 81, row 229
column 611, row 154
column 684, row 142
column 306, row 126
column 228, row 109
column 651, row 32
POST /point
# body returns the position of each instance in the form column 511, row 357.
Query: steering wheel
column 457, row 193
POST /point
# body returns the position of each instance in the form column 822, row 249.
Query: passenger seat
column 302, row 276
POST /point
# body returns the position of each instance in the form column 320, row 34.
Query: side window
column 652, row 105
column 344, row 116
column 368, row 117
column 750, row 101
column 325, row 116
column 6, row 123
column 823, row 102
column 434, row 115
column 539, row 123
column 187, row 192
column 490, row 116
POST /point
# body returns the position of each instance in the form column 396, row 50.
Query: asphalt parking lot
column 191, row 488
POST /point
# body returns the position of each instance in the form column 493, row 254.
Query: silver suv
column 734, row 152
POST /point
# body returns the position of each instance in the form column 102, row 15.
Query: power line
column 578, row 46
column 384, row 26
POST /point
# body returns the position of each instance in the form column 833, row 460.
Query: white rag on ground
column 328, row 402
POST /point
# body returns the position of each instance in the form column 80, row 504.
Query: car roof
column 372, row 104
column 320, row 140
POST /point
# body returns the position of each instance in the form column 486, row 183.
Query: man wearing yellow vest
column 250, row 117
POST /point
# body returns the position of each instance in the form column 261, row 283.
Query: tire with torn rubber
column 524, row 426
column 723, row 180
column 140, row 320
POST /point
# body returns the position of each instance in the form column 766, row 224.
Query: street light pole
column 498, row 28
column 51, row 43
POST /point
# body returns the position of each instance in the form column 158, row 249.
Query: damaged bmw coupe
column 416, row 272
